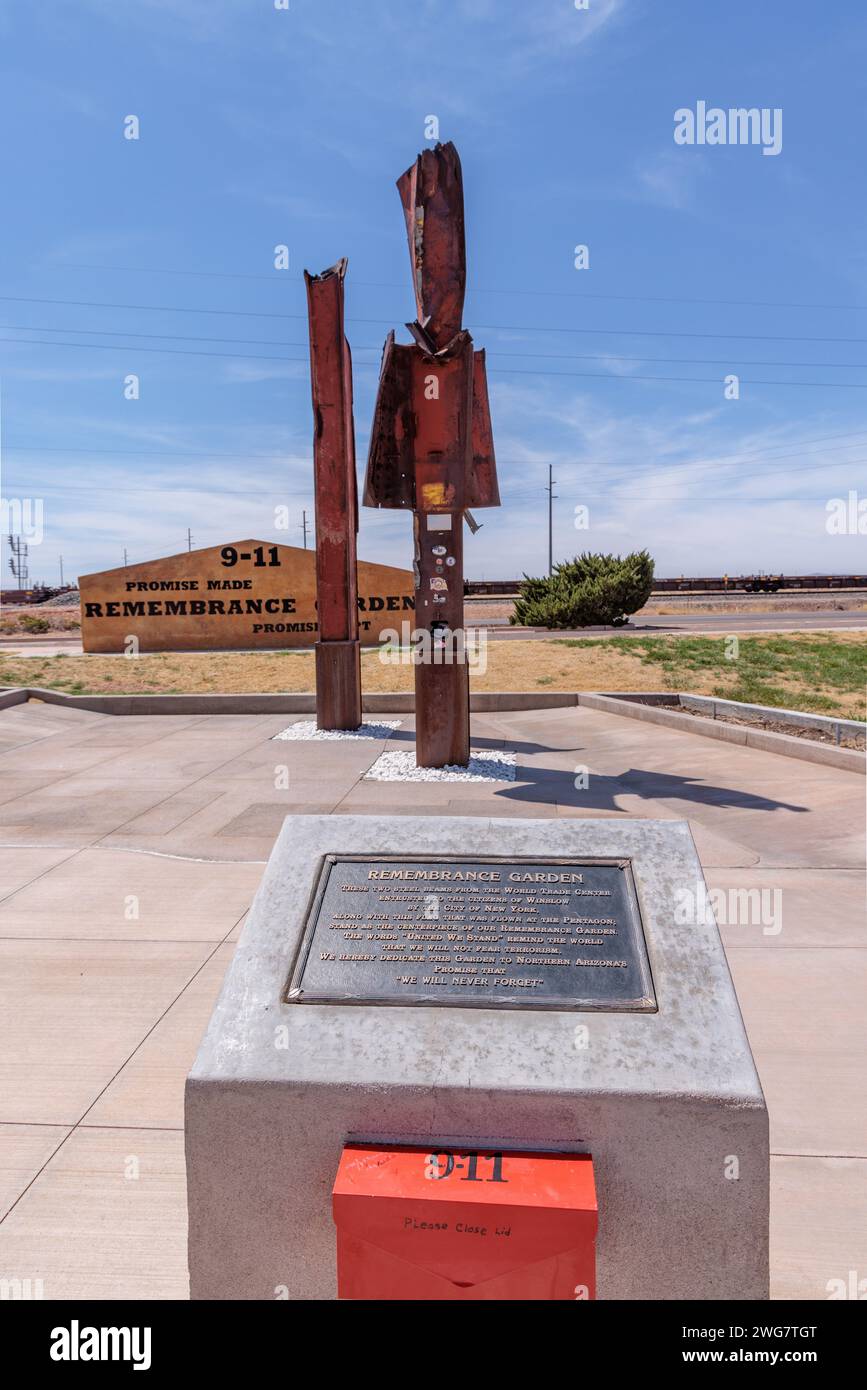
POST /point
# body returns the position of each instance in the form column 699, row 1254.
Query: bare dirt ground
column 777, row 726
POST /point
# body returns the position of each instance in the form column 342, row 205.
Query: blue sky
column 261, row 127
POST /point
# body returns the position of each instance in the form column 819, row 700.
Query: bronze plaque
column 478, row 932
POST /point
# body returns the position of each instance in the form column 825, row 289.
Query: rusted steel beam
column 390, row 478
column 432, row 194
column 431, row 447
column 441, row 395
column 442, row 678
column 338, row 669
column 482, row 487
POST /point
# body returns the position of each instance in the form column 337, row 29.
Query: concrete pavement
column 131, row 847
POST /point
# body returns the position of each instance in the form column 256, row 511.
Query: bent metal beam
column 431, row 448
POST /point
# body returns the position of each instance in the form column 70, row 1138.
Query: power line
column 655, row 333
column 660, row 465
column 502, row 371
column 620, row 357
column 364, row 347
column 171, row 352
column 707, row 380
column 524, row 491
column 163, row 453
column 274, row 278
column 173, row 337
column 665, row 299
column 489, row 327
column 516, row 494
column 162, row 308
column 110, row 486
column 705, row 497
column 858, row 435
column 512, row 500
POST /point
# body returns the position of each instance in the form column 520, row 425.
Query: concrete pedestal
column 668, row 1103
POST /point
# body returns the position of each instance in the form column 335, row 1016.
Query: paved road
column 499, row 630
column 689, row 623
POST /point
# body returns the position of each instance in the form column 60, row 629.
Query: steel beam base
column 442, row 715
column 338, row 685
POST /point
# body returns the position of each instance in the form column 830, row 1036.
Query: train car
column 41, row 594
column 19, row 596
column 710, row 584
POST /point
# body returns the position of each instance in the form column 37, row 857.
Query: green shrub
column 31, row 623
column 592, row 590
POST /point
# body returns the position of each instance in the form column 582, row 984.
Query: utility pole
column 304, row 527
column 189, row 539
column 18, row 560
column 551, row 495
column 61, row 571
column 124, row 557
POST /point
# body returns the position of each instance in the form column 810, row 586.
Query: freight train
column 724, row 583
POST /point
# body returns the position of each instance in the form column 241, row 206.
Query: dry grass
column 21, row 621
column 827, row 672
column 510, row 666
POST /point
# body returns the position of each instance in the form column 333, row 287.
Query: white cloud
column 670, row 179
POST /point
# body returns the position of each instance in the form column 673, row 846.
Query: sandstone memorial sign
column 248, row 594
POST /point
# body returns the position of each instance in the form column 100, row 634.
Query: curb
column 626, row 705
column 788, row 745
column 402, row 702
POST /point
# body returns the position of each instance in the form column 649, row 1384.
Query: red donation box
column 414, row 1224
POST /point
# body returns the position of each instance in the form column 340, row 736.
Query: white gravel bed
column 484, row 766
column 306, row 729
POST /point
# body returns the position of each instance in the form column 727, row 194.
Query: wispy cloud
column 669, row 179
column 206, row 21
column 702, row 492
column 518, row 42
column 292, row 205
column 59, row 375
